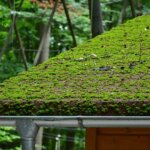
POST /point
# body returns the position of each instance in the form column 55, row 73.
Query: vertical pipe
column 28, row 144
column 28, row 131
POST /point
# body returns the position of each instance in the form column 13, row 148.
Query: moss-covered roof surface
column 108, row 75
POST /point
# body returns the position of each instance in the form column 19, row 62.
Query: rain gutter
column 80, row 121
column 28, row 126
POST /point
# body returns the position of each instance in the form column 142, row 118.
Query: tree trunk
column 42, row 55
column 96, row 17
column 139, row 7
column 44, row 44
column 123, row 12
column 21, row 47
column 132, row 5
column 69, row 23
column 43, row 49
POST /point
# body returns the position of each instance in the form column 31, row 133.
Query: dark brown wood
column 91, row 139
column 118, row 139
column 124, row 131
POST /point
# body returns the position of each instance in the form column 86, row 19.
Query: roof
column 107, row 75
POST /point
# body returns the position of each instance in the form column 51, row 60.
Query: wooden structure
column 118, row 139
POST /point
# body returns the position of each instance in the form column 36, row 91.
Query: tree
column 96, row 17
column 43, row 51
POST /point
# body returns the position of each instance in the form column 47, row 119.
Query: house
column 103, row 83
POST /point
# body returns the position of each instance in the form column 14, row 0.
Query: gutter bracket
column 28, row 131
column 80, row 122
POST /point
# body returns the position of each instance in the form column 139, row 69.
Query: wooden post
column 91, row 139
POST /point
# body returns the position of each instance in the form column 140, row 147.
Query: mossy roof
column 107, row 75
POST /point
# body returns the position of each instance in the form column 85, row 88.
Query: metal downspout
column 28, row 131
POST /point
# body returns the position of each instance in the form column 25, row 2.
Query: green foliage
column 9, row 69
column 112, row 67
column 66, row 137
column 9, row 139
column 4, row 22
column 146, row 6
column 30, row 19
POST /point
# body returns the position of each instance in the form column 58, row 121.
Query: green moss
column 108, row 75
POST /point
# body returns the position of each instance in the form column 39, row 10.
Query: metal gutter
column 80, row 121
column 28, row 126
column 7, row 123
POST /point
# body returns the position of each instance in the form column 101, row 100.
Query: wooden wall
column 118, row 139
